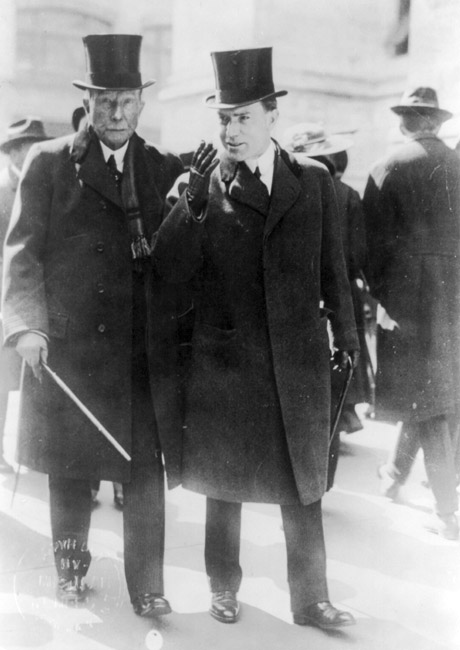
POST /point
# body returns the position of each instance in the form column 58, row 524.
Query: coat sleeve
column 177, row 249
column 24, row 300
column 335, row 287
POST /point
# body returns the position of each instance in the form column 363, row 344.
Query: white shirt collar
column 118, row 154
column 266, row 165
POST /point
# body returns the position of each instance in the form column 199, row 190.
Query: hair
column 269, row 104
column 415, row 122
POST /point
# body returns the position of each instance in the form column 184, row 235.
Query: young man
column 262, row 243
column 79, row 291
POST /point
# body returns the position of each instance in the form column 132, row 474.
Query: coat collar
column 244, row 187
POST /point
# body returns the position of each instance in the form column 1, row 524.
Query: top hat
column 242, row 77
column 112, row 63
column 29, row 129
column 423, row 101
column 309, row 138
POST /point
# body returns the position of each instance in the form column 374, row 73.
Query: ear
column 86, row 104
column 273, row 118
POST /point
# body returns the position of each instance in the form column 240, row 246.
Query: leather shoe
column 325, row 616
column 224, row 606
column 151, row 605
column 445, row 526
column 71, row 591
column 5, row 468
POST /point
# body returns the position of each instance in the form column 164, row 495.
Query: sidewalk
column 401, row 583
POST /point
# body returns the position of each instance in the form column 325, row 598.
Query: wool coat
column 258, row 388
column 69, row 273
column 10, row 362
column 412, row 211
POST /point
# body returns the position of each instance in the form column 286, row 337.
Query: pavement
column 401, row 582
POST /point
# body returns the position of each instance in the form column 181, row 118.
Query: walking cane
column 346, row 386
column 86, row 411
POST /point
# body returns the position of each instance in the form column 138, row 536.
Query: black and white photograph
column 230, row 324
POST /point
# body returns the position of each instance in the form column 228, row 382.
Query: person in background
column 310, row 140
column 79, row 120
column 79, row 291
column 20, row 136
column 259, row 235
column 412, row 213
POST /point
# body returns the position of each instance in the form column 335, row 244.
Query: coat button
column 101, row 328
column 100, row 287
column 100, row 246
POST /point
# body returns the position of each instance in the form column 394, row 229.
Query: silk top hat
column 29, row 129
column 310, row 138
column 242, row 77
column 422, row 100
column 112, row 63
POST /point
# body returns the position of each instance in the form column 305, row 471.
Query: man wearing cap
column 20, row 136
column 412, row 210
column 79, row 294
column 262, row 243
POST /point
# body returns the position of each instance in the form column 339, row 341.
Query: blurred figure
column 79, row 120
column 412, row 210
column 310, row 139
column 20, row 136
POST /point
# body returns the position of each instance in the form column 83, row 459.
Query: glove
column 204, row 161
column 33, row 348
column 343, row 357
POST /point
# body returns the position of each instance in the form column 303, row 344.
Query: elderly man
column 412, row 208
column 79, row 292
column 20, row 136
column 264, row 248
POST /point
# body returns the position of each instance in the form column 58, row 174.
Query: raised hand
column 204, row 161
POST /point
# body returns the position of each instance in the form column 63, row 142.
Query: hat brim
column 210, row 100
column 5, row 147
column 82, row 85
column 422, row 109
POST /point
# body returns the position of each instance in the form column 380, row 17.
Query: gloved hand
column 33, row 348
column 204, row 161
column 343, row 357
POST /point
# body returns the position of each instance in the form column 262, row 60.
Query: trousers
column 306, row 553
column 435, row 438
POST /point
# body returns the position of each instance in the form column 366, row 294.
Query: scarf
column 140, row 248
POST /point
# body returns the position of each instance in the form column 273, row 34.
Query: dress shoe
column 389, row 484
column 325, row 616
column 224, row 607
column 5, row 468
column 151, row 605
column 71, row 591
column 444, row 525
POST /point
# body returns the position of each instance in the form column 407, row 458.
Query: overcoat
column 412, row 211
column 258, row 389
column 69, row 273
column 10, row 361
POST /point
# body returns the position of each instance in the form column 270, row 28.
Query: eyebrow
column 236, row 113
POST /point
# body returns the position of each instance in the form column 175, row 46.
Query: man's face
column 245, row 131
column 114, row 115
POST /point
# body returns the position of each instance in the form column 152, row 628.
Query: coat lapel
column 285, row 192
column 94, row 172
column 243, row 186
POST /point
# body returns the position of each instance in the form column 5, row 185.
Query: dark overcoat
column 257, row 394
column 412, row 210
column 68, row 273
column 10, row 361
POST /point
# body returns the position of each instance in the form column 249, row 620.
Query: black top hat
column 29, row 129
column 112, row 63
column 242, row 77
column 422, row 100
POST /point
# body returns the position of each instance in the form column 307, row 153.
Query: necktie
column 257, row 173
column 114, row 171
